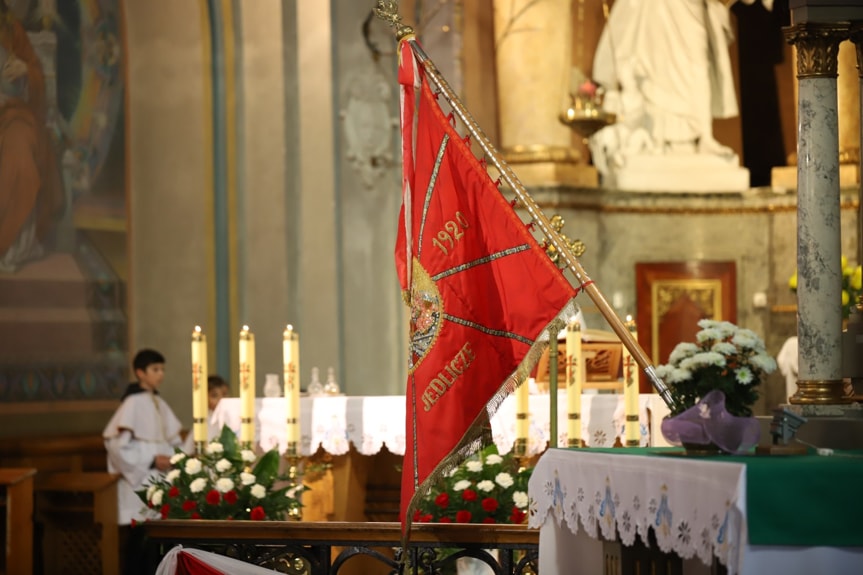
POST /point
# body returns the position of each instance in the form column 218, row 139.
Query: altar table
column 371, row 422
column 755, row 514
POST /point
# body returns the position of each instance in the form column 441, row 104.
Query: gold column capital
column 817, row 47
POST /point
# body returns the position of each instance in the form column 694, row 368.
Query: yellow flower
column 792, row 283
column 856, row 279
column 845, row 298
column 844, row 265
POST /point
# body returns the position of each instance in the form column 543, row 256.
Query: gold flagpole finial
column 388, row 11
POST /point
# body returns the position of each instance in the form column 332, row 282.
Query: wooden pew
column 79, row 514
column 17, row 501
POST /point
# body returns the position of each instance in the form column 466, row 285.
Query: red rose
column 517, row 516
column 416, row 515
column 231, row 497
column 189, row 505
column 174, row 491
column 134, row 522
column 468, row 495
column 165, row 510
column 445, row 520
column 489, row 520
column 196, row 515
column 463, row 516
column 426, row 518
column 442, row 500
column 257, row 513
column 489, row 504
column 213, row 497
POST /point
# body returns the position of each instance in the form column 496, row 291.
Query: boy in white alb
column 140, row 440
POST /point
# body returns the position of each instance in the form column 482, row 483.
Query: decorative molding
column 541, row 153
column 817, row 48
column 856, row 36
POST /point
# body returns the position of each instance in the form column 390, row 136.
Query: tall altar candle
column 199, row 385
column 247, row 386
column 630, row 391
column 522, row 417
column 575, row 373
column 291, row 356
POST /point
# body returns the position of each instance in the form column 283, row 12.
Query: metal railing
column 330, row 548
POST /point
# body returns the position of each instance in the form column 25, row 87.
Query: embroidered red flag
column 481, row 291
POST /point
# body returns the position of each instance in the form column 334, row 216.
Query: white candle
column 247, row 386
column 199, row 385
column 291, row 356
column 630, row 391
column 575, row 372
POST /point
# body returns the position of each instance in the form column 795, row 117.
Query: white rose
column 247, row 478
column 247, row 455
column 215, row 447
column 461, row 485
column 258, row 491
column 172, row 475
column 485, row 485
column 504, row 480
column 474, row 466
column 223, row 465
column 520, row 499
column 177, row 458
column 224, row 484
column 493, row 459
column 292, row 492
column 193, row 466
column 156, row 498
column 150, row 491
column 198, row 485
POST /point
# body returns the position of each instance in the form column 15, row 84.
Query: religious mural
column 62, row 201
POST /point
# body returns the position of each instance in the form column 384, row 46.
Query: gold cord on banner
column 387, row 10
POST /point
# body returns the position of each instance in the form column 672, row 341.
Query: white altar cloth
column 370, row 422
column 697, row 509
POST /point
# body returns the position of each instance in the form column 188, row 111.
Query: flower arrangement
column 724, row 357
column 852, row 286
column 225, row 482
column 488, row 488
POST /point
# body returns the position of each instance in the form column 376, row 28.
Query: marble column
column 533, row 56
column 819, row 288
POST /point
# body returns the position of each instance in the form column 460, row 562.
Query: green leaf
column 228, row 439
column 267, row 467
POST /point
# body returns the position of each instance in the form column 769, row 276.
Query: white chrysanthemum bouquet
column 224, row 482
column 724, row 357
column 489, row 488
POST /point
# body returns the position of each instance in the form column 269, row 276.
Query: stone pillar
column 819, row 287
column 533, row 54
column 857, row 38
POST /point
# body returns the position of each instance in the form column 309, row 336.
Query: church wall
column 169, row 173
column 264, row 218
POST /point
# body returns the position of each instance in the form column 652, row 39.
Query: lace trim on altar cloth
column 690, row 516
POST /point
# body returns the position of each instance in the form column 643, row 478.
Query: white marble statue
column 666, row 71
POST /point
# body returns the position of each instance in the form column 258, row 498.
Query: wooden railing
column 336, row 548
column 16, row 505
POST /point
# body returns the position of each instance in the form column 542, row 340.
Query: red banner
column 480, row 289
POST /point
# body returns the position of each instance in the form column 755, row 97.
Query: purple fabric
column 708, row 422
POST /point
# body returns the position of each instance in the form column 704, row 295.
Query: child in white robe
column 140, row 439
column 141, row 436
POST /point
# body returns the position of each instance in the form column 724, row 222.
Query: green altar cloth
column 795, row 500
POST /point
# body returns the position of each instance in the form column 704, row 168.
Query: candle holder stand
column 200, row 447
column 294, row 473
